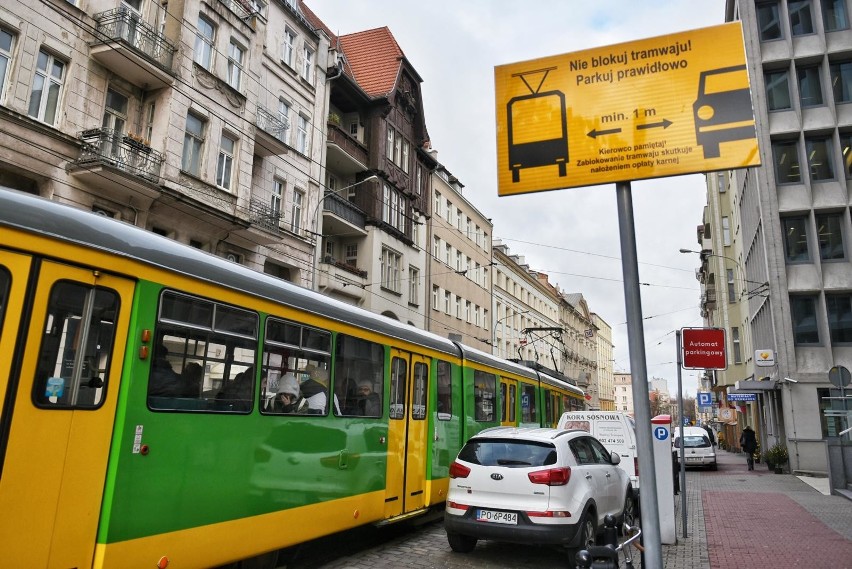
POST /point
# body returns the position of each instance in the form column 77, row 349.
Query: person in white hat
column 289, row 400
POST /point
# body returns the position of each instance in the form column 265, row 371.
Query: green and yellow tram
column 147, row 415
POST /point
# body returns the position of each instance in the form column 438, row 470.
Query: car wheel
column 628, row 514
column 461, row 543
column 586, row 536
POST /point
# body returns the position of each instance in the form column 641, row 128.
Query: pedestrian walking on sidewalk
column 748, row 443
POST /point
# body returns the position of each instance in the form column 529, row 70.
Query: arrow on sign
column 665, row 123
column 596, row 133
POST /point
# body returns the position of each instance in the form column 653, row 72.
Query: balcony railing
column 122, row 24
column 328, row 259
column 264, row 216
column 106, row 146
column 244, row 9
column 344, row 209
column 273, row 123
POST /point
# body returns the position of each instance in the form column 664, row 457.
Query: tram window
column 79, row 333
column 445, row 391
column 5, row 281
column 204, row 355
column 399, row 373
column 504, row 397
column 548, row 407
column 295, row 357
column 484, row 390
column 528, row 407
column 358, row 364
column 513, row 397
column 418, row 396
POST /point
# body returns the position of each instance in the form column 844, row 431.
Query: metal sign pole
column 682, row 449
column 652, row 537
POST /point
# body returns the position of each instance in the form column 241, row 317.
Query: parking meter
column 661, row 430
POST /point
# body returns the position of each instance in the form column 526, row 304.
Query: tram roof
column 39, row 215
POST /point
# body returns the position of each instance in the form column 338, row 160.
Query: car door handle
column 588, row 476
column 608, row 475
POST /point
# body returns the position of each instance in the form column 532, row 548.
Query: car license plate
column 496, row 517
column 690, row 459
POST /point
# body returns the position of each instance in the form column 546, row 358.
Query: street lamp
column 316, row 224
column 494, row 330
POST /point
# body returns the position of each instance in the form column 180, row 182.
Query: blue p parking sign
column 661, row 433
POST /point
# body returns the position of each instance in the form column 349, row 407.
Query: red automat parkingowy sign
column 703, row 348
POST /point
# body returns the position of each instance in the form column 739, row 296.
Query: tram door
column 508, row 402
column 407, row 431
column 57, row 424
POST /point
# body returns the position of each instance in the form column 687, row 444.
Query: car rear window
column 693, row 442
column 508, row 452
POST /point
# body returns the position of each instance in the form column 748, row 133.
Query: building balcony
column 115, row 161
column 264, row 223
column 708, row 299
column 245, row 9
column 346, row 156
column 270, row 136
column 337, row 278
column 132, row 49
column 341, row 218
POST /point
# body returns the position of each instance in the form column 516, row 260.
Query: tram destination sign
column 664, row 106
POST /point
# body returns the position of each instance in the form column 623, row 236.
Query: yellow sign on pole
column 665, row 106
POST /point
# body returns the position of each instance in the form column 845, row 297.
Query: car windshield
column 508, row 452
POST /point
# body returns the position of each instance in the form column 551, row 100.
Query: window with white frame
column 447, row 302
column 7, row 42
column 415, row 233
column 459, row 217
column 284, row 117
column 476, row 314
column 436, row 247
column 296, row 211
column 278, row 188
column 436, row 296
column 390, row 263
column 236, row 54
column 458, row 260
column 458, row 307
column 350, row 254
column 413, row 285
column 308, row 64
column 448, row 213
column 204, row 39
column 467, row 305
column 485, row 318
column 735, row 338
column 404, row 164
column 302, row 135
column 393, row 208
column 47, row 88
column 448, row 253
column 726, row 231
column 287, row 47
column 225, row 162
column 732, row 289
column 193, row 144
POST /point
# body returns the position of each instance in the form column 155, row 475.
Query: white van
column 617, row 432
column 698, row 450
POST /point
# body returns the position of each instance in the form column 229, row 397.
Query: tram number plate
column 496, row 517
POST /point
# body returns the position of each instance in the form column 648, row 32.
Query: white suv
column 542, row 486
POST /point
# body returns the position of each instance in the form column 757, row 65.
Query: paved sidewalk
column 738, row 518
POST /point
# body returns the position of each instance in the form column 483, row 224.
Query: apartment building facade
column 166, row 116
column 374, row 210
column 604, row 349
column 459, row 275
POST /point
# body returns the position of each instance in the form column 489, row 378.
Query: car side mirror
column 615, row 457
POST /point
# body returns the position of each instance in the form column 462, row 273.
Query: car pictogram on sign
column 723, row 110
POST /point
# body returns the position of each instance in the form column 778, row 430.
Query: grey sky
column 570, row 234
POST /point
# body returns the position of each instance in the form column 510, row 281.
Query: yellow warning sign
column 665, row 106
